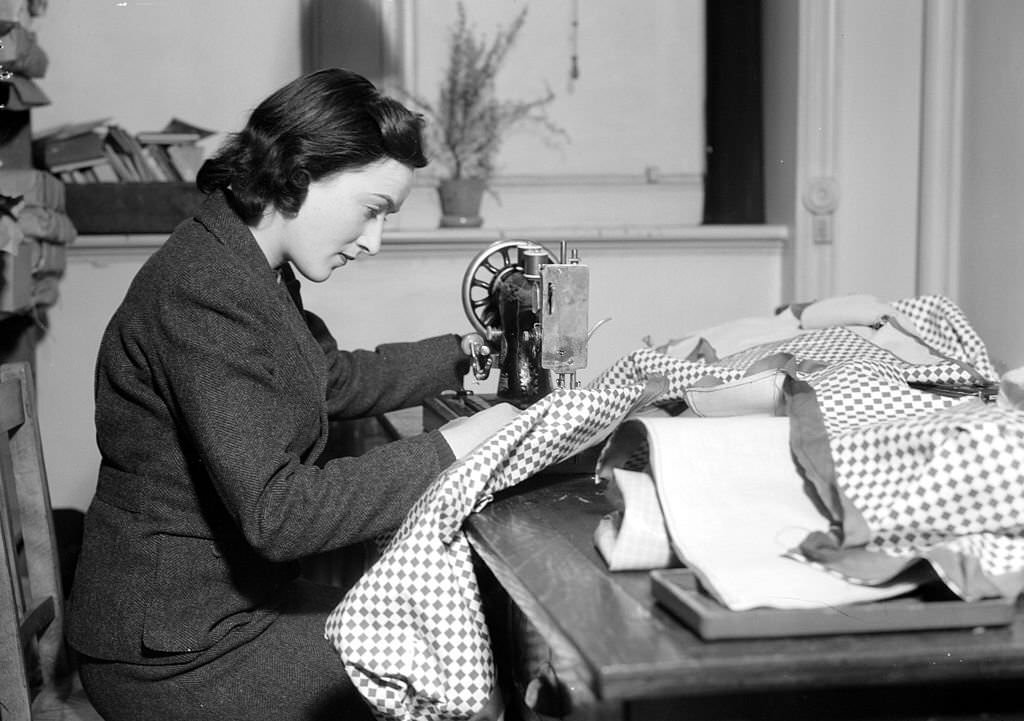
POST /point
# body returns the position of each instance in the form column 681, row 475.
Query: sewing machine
column 529, row 311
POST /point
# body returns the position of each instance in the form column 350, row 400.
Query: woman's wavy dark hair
column 319, row 124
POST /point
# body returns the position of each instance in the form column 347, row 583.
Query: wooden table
column 577, row 641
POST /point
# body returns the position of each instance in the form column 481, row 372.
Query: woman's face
column 343, row 217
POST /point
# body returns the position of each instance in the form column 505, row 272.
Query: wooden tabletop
column 617, row 643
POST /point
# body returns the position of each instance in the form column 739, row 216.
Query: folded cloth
column 902, row 342
column 45, row 224
column 20, row 52
column 633, row 537
column 1011, row 390
column 36, row 187
column 48, row 258
column 734, row 505
column 912, row 478
column 16, row 11
column 11, row 235
column 736, row 335
column 25, row 94
column 868, row 444
column 757, row 394
column 845, row 310
column 45, row 290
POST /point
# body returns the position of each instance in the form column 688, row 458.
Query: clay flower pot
column 460, row 202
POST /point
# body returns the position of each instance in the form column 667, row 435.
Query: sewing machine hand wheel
column 484, row 275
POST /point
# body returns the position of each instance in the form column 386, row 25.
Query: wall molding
column 653, row 176
column 818, row 94
column 717, row 238
column 938, row 234
column 566, row 200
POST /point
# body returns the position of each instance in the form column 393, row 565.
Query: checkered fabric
column 942, row 325
column 906, row 475
column 411, row 633
column 633, row 537
column 927, row 478
column 919, row 476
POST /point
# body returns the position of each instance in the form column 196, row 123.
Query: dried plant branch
column 465, row 126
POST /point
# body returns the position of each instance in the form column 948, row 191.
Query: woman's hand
column 465, row 434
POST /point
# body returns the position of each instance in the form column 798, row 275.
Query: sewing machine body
column 530, row 310
column 543, row 330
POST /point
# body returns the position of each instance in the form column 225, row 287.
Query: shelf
column 743, row 238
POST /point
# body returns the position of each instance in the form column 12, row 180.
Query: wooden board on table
column 679, row 590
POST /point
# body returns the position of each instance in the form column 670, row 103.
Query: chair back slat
column 30, row 590
column 10, row 523
column 12, row 408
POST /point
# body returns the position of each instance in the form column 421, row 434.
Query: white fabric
column 852, row 310
column 737, row 335
column 633, row 537
column 734, row 504
column 756, row 394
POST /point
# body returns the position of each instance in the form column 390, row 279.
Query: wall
column 642, row 73
column 142, row 62
column 879, row 89
column 92, row 287
column 657, row 285
column 632, row 115
column 992, row 214
column 842, row 103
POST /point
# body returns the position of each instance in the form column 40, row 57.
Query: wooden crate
column 131, row 208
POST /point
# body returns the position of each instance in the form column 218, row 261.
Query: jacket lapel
column 218, row 217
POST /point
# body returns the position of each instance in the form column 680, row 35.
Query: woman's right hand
column 465, row 434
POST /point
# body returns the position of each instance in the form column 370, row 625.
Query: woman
column 213, row 394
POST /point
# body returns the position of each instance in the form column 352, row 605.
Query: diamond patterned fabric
column 411, row 633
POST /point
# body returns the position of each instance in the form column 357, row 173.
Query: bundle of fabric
column 895, row 434
column 22, row 59
column 35, row 231
column 726, row 497
column 411, row 633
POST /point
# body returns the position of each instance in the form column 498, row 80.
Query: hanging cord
column 574, row 45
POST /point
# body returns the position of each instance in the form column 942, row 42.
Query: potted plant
column 465, row 126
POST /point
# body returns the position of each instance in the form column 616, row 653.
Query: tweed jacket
column 213, row 394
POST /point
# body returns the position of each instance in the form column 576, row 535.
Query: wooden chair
column 36, row 680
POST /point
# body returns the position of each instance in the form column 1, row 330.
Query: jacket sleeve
column 365, row 383
column 248, row 403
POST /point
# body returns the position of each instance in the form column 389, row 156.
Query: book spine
column 129, row 148
column 121, row 163
column 187, row 160
column 162, row 159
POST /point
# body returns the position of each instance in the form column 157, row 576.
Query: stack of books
column 71, row 150
column 101, row 151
